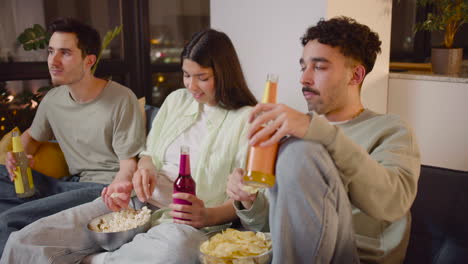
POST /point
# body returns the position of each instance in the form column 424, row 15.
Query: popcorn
column 124, row 220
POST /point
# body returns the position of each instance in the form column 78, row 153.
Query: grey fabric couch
column 439, row 228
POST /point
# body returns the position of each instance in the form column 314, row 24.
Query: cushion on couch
column 439, row 228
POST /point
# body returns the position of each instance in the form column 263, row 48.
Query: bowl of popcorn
column 112, row 230
column 232, row 246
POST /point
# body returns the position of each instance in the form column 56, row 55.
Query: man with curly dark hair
column 346, row 177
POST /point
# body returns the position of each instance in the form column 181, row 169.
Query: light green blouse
column 223, row 149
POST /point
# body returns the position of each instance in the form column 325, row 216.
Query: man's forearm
column 29, row 143
column 127, row 168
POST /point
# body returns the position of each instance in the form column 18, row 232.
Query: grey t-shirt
column 93, row 136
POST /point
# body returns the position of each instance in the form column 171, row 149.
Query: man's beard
column 75, row 80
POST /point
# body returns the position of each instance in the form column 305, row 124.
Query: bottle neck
column 184, row 166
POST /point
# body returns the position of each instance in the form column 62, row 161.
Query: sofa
column 439, row 228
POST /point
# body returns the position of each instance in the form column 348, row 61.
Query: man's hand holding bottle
column 10, row 164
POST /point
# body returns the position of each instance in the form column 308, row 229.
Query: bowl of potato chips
column 232, row 246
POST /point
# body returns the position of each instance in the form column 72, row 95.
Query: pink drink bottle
column 184, row 182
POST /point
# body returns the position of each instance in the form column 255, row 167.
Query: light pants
column 61, row 238
column 310, row 213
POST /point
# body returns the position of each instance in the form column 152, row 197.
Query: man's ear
column 90, row 60
column 359, row 72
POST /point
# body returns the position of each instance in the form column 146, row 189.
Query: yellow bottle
column 24, row 185
column 260, row 168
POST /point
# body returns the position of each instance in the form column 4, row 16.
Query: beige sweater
column 379, row 164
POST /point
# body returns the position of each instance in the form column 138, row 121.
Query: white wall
column 266, row 34
column 438, row 113
column 377, row 14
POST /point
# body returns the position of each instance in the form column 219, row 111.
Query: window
column 171, row 25
column 144, row 57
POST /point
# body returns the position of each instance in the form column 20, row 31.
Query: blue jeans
column 52, row 196
column 45, row 186
column 310, row 213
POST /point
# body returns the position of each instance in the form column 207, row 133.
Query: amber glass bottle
column 260, row 169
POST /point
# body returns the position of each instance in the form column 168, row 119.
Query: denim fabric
column 52, row 196
column 45, row 186
column 310, row 212
column 22, row 215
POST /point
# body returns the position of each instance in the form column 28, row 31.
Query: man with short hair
column 96, row 122
column 347, row 177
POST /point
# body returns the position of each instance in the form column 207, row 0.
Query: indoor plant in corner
column 447, row 16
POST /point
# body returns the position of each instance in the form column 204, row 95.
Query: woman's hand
column 196, row 215
column 144, row 181
column 235, row 189
column 117, row 195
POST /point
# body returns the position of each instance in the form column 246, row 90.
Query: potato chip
column 231, row 246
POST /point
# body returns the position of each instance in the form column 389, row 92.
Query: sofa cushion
column 150, row 114
column 49, row 160
column 439, row 229
column 5, row 146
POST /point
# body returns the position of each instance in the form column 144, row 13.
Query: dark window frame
column 134, row 68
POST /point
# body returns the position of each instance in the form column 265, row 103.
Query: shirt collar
column 192, row 109
column 215, row 118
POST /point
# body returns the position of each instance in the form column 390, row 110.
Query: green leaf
column 34, row 37
column 28, row 46
column 108, row 37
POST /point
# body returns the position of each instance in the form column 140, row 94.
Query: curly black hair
column 354, row 40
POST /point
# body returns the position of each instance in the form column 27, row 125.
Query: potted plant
column 447, row 16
